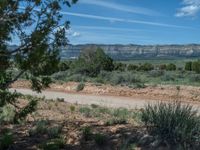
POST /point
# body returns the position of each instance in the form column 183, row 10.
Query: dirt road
column 87, row 99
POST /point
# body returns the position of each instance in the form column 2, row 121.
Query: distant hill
column 128, row 52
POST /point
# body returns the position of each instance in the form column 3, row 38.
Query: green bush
column 80, row 87
column 132, row 67
column 100, row 139
column 6, row 140
column 171, row 67
column 146, row 67
column 120, row 66
column 40, row 128
column 196, row 66
column 87, row 133
column 7, row 114
column 54, row 132
column 53, row 144
column 173, row 123
column 156, row 73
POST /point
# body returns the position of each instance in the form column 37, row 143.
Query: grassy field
column 180, row 62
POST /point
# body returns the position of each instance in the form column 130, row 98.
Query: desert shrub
column 156, row 73
column 72, row 108
column 53, row 144
column 77, row 78
column 124, row 78
column 86, row 111
column 173, row 123
column 146, row 67
column 39, row 128
column 196, row 66
column 120, row 66
column 7, row 114
column 194, row 78
column 6, row 140
column 80, row 87
column 87, row 133
column 94, row 106
column 60, row 99
column 54, row 132
column 171, row 67
column 167, row 77
column 100, row 139
column 163, row 67
column 132, row 67
column 61, row 75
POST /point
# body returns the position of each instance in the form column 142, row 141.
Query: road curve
column 86, row 99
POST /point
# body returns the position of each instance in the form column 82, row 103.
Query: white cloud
column 120, row 7
column 190, row 9
column 124, row 20
column 72, row 33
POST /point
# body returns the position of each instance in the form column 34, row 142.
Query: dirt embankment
column 160, row 92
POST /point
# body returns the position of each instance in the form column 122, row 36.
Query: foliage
column 6, row 140
column 173, row 123
column 37, row 54
column 132, row 67
column 188, row 66
column 120, row 66
column 196, row 66
column 7, row 114
column 171, row 67
column 100, row 139
column 54, row 132
column 86, row 133
column 92, row 60
column 53, row 144
column 146, row 67
column 80, row 87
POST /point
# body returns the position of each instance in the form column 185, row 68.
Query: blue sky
column 134, row 21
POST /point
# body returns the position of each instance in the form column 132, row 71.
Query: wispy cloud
column 124, row 20
column 190, row 9
column 120, row 7
column 109, row 28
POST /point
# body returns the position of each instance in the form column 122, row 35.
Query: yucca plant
column 173, row 123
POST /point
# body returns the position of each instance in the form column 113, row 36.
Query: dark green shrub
column 80, row 87
column 167, row 77
column 132, row 67
column 188, row 66
column 163, row 67
column 120, row 66
column 6, row 140
column 171, row 67
column 146, row 67
column 196, row 66
column 173, row 123
column 54, row 132
column 100, row 139
column 156, row 73
column 87, row 133
column 195, row 78
column 53, row 144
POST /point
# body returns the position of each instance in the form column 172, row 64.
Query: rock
column 146, row 140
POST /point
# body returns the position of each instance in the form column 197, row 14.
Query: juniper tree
column 38, row 27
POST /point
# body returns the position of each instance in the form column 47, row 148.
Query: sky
column 134, row 21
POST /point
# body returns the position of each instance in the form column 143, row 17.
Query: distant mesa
column 128, row 52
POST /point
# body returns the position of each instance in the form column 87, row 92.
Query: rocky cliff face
column 127, row 52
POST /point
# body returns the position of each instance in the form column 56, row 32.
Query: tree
column 196, row 66
column 188, row 66
column 92, row 60
column 36, row 25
